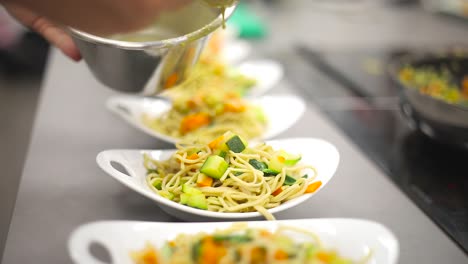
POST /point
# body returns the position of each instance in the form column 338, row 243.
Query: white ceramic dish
column 268, row 73
column 350, row 237
column 235, row 51
column 131, row 109
column 316, row 152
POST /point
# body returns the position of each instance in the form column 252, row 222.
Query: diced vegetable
column 214, row 166
column 204, row 181
column 235, row 106
column 258, row 165
column 157, row 183
column 187, row 189
column 193, row 122
column 289, row 159
column 281, row 254
column 166, row 194
column 222, row 154
column 193, row 156
column 184, row 198
column 313, row 187
column 289, row 180
column 214, row 144
column 233, row 238
column 197, row 201
column 276, row 163
column 235, row 144
column 219, row 143
column 196, row 251
column 278, row 191
column 270, row 172
column 258, row 255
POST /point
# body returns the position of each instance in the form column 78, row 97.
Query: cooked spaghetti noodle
column 227, row 176
column 241, row 244
column 207, row 105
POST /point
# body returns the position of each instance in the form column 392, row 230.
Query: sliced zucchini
column 222, row 154
column 157, row 183
column 184, row 198
column 289, row 159
column 258, row 165
column 214, row 166
column 197, row 201
column 289, row 180
column 235, row 144
column 270, row 172
column 276, row 163
column 187, row 189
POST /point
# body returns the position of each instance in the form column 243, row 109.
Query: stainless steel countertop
column 62, row 187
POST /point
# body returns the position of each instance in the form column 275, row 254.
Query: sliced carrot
column 277, row 191
column 193, row 122
column 150, row 257
column 265, row 233
column 171, row 80
column 281, row 254
column 234, row 106
column 213, row 144
column 258, row 255
column 324, row 257
column 313, row 187
column 194, row 102
column 211, row 252
column 193, row 156
column 204, row 181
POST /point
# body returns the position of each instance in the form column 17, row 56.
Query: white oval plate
column 316, row 152
column 352, row 238
column 235, row 51
column 267, row 73
column 282, row 112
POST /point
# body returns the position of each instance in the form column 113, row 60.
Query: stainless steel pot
column 149, row 67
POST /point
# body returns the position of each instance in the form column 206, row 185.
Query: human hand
column 102, row 17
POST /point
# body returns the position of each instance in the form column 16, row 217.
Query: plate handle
column 106, row 159
column 80, row 247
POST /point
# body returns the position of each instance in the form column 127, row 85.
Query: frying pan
column 434, row 117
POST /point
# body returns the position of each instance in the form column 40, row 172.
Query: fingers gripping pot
column 156, row 58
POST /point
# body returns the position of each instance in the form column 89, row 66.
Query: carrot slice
column 281, row 254
column 278, row 191
column 213, row 144
column 235, row 106
column 313, row 187
column 324, row 257
column 194, row 121
column 193, row 156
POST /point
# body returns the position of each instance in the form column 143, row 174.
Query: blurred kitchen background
column 337, row 30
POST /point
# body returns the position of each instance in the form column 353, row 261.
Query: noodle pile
column 241, row 244
column 227, row 178
column 208, row 104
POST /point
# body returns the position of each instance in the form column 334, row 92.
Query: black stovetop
column 354, row 91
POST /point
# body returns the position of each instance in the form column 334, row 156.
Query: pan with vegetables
column 434, row 94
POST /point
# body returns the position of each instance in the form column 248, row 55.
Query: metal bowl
column 149, row 67
column 434, row 117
